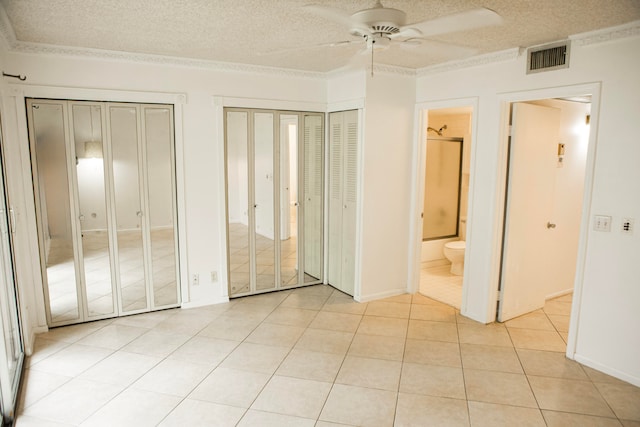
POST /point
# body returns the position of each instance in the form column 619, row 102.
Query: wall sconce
column 93, row 149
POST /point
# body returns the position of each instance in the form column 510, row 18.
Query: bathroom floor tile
column 623, row 399
column 499, row 387
column 325, row 341
column 383, row 326
column 490, row 358
column 559, row 394
column 432, row 353
column 437, row 313
column 230, row 387
column 377, row 347
column 370, row 373
column 388, row 309
column 533, row 339
column 492, row 334
column 311, row 365
column 434, row 331
column 535, row 320
column 198, row 413
column 550, row 364
column 566, row 419
column 269, row 419
column 332, row 321
column 359, row 406
column 256, row 358
column 492, row 415
column 431, row 380
column 417, row 410
column 293, row 396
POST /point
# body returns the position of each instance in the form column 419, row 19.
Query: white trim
column 630, row 29
column 352, row 104
column 380, row 295
column 357, row 276
column 546, row 93
column 204, row 302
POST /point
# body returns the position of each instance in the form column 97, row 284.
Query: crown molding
column 632, row 29
column 489, row 58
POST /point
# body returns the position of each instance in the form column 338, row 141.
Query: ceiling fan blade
column 339, row 16
column 310, row 47
column 463, row 21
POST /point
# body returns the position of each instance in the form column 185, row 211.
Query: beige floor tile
column 403, row 298
column 630, row 423
column 325, row 341
column 565, row 395
column 73, row 333
column 434, row 331
column 306, row 301
column 145, row 320
column 112, row 336
column 359, row 406
column 498, row 387
column 491, row 415
column 490, row 358
column 198, row 413
column 416, row 410
column 278, row 335
column 205, row 351
column 535, row 320
column 623, row 399
column 557, row 307
column 370, row 373
column 418, row 298
column 319, row 290
column 174, row 377
column 492, row 334
column 36, row 385
column 44, row 348
column 293, row 396
column 228, row 327
column 268, row 419
column 134, row 408
column 537, row 340
column 29, row 421
column 560, row 322
column 73, row 402
column 601, row 377
column 183, row 323
column 311, row 365
column 432, row 353
column 71, row 360
column 383, row 326
column 388, row 309
column 156, row 344
column 377, row 347
column 565, row 419
column 431, row 380
column 340, row 303
column 550, row 364
column 230, row 387
column 328, row 424
column 120, row 368
column 255, row 358
column 247, row 311
column 343, row 322
column 291, row 316
column 436, row 313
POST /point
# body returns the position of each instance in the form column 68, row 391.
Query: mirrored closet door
column 105, row 199
column 274, row 171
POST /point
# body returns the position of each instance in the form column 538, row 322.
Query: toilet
column 454, row 252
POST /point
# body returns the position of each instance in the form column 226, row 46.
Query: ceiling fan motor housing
column 381, row 20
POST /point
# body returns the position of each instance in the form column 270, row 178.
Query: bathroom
column 448, row 154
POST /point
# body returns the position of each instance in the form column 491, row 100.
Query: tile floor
column 438, row 283
column 313, row 357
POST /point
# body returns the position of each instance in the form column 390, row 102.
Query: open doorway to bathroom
column 547, row 158
column 446, row 192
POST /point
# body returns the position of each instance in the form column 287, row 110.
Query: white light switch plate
column 602, row 223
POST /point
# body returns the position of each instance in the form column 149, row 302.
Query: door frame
column 418, row 182
column 505, row 101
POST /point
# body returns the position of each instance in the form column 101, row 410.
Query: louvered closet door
column 312, row 208
column 343, row 155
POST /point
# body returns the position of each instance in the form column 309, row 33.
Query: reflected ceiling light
column 93, row 147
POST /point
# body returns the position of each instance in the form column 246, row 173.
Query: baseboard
column 28, row 348
column 202, row 303
column 608, row 370
column 559, row 294
column 380, row 295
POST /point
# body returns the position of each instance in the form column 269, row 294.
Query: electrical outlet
column 214, row 276
column 196, row 279
column 627, row 225
column 602, row 223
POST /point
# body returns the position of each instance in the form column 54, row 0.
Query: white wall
column 386, row 176
column 608, row 292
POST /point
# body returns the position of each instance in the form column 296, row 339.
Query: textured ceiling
column 282, row 33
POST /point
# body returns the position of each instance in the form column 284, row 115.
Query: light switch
column 627, row 225
column 602, row 223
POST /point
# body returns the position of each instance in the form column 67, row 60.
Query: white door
column 529, row 226
column 343, row 156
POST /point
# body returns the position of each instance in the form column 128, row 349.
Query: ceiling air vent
column 548, row 57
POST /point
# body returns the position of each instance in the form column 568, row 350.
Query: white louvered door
column 343, row 155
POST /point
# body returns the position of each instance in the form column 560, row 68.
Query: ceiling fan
column 380, row 27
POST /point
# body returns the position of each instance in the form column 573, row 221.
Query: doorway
column 445, row 192
column 548, row 148
column 104, row 187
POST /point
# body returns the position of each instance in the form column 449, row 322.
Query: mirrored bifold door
column 11, row 345
column 105, row 199
column 274, row 174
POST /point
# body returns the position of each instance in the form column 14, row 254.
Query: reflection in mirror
column 237, row 128
column 442, row 188
column 288, row 200
column 129, row 214
column 87, row 135
column 264, row 200
column 56, row 239
column 312, row 188
column 158, row 140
